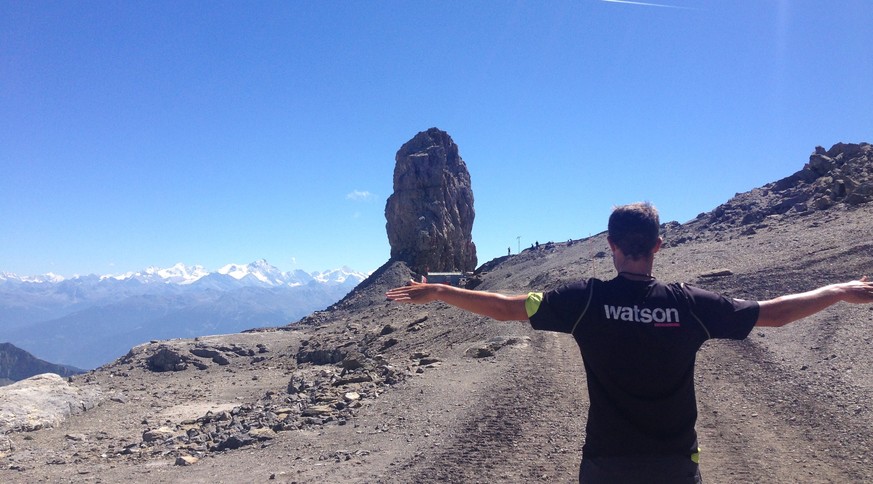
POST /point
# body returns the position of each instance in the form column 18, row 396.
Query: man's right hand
column 414, row 292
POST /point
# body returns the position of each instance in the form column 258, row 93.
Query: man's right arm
column 493, row 305
column 786, row 309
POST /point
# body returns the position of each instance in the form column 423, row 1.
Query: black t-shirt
column 639, row 340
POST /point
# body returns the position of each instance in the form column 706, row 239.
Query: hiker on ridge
column 638, row 338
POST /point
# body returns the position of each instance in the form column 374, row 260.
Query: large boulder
column 430, row 214
column 43, row 401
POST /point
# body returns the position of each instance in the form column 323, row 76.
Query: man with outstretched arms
column 639, row 338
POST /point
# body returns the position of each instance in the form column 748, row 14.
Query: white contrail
column 644, row 4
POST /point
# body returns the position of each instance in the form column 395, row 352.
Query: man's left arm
column 786, row 309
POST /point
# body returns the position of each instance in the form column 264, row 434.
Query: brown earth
column 454, row 397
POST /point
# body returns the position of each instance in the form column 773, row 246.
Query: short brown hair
column 634, row 229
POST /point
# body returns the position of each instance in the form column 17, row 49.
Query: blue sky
column 149, row 133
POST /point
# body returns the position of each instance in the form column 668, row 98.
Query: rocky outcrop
column 164, row 358
column 430, row 214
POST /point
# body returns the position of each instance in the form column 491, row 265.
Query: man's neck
column 636, row 269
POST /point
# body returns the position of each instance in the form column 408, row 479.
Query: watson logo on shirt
column 661, row 317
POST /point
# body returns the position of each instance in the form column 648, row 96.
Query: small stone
column 262, row 434
column 186, row 460
column 5, row 444
column 161, row 433
column 234, row 442
column 479, row 352
column 316, row 410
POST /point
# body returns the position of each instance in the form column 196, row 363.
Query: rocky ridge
column 841, row 177
column 17, row 364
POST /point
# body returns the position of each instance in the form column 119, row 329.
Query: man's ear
column 658, row 245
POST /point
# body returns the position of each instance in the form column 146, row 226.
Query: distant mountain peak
column 338, row 276
column 47, row 277
column 177, row 274
column 260, row 269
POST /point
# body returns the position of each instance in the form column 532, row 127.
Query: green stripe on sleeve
column 532, row 303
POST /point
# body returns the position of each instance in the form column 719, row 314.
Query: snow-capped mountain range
column 257, row 273
column 87, row 321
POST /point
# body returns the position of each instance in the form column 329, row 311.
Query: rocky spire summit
column 430, row 214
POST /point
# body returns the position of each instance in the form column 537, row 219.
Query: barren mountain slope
column 459, row 398
column 372, row 391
